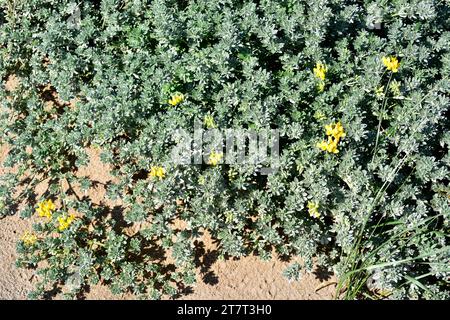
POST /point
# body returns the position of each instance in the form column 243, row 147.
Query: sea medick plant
column 359, row 91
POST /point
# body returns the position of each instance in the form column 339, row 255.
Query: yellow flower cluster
column 313, row 209
column 176, row 99
column 157, row 172
column 46, row 208
column 215, row 157
column 391, row 63
column 335, row 133
column 320, row 71
column 29, row 238
column 65, row 221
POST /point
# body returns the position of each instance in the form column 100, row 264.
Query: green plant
column 373, row 204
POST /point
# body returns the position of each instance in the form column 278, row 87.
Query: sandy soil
column 245, row 278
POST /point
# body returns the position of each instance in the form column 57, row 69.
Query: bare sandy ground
column 244, row 278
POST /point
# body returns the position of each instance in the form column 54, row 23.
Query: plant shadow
column 204, row 259
column 322, row 273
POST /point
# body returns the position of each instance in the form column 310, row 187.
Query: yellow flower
column 335, row 132
column 313, row 209
column 176, row 99
column 329, row 129
column 209, row 122
column 322, row 145
column 45, row 208
column 391, row 63
column 320, row 71
column 158, row 172
column 215, row 157
column 338, row 131
column 29, row 238
column 332, row 145
column 65, row 221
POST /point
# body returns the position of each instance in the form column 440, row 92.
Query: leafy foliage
column 382, row 203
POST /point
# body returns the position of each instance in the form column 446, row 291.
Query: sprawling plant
column 358, row 91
